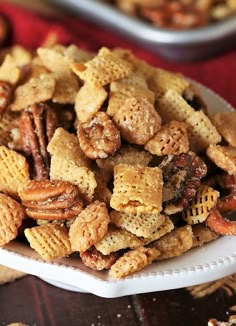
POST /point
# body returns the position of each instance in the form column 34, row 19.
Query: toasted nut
column 50, row 199
column 97, row 261
column 99, row 137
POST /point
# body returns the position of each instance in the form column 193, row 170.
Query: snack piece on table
column 133, row 261
column 12, row 214
column 224, row 157
column 103, row 68
column 175, row 243
column 142, row 225
column 14, row 171
column 137, row 189
column 51, row 199
column 225, row 123
column 137, row 120
column 98, row 137
column 172, row 138
column 89, row 227
column 200, row 206
column 50, row 241
column 116, row 239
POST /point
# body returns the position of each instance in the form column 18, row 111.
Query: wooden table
column 36, row 303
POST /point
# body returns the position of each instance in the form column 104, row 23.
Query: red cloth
column 30, row 30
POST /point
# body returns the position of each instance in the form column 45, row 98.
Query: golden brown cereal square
column 172, row 138
column 225, row 123
column 62, row 168
column 127, row 154
column 67, row 84
column 50, row 241
column 137, row 189
column 137, row 120
column 162, row 80
column 35, row 90
column 133, row 261
column 140, row 224
column 12, row 214
column 88, row 101
column 14, row 171
column 172, row 106
column 89, row 227
column 102, row 192
column 135, row 79
column 116, row 239
column 174, row 243
column 75, row 54
column 104, row 68
column 223, row 156
column 165, row 227
column 66, row 145
column 202, row 234
column 9, row 71
column 198, row 210
column 201, row 131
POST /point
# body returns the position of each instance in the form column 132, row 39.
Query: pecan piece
column 99, row 137
column 37, row 125
column 51, row 200
column 5, row 95
column 182, row 176
column 94, row 259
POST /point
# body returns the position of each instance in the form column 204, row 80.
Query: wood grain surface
column 36, row 303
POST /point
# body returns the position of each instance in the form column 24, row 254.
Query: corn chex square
column 50, row 241
column 137, row 189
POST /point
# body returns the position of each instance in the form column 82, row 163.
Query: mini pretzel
column 227, row 203
column 219, row 224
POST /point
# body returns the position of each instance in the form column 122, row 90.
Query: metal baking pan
column 188, row 45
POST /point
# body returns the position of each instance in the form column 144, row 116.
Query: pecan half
column 97, row 261
column 51, row 200
column 182, row 176
column 99, row 137
column 37, row 125
column 5, row 95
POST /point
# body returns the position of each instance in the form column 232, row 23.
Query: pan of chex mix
column 116, row 177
